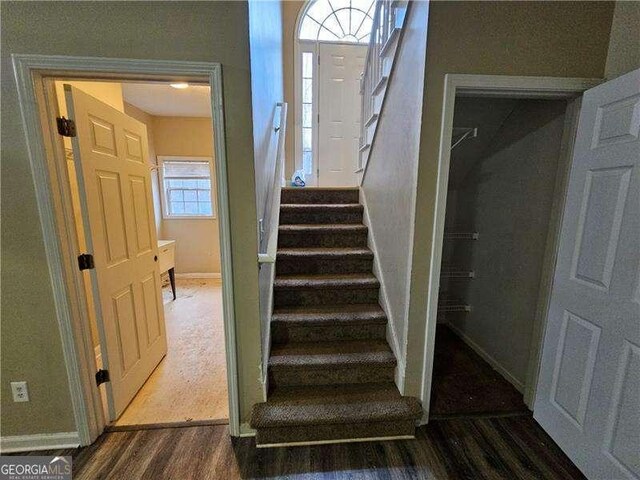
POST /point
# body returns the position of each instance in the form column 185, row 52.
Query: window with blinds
column 186, row 188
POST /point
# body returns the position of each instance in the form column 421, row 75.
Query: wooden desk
column 167, row 261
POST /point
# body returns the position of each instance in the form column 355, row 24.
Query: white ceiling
column 162, row 100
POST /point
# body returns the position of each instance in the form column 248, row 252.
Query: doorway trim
column 497, row 86
column 56, row 215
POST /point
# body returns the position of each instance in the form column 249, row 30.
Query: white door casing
column 339, row 110
column 588, row 396
column 112, row 161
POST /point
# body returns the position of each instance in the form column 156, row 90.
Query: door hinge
column 318, row 118
column 102, row 376
column 85, row 261
column 66, row 127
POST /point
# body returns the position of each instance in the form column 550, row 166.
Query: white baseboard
column 489, row 359
column 42, row 441
column 246, row 430
column 342, row 440
column 392, row 338
column 198, row 275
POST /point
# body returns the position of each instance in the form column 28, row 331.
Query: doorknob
column 155, row 258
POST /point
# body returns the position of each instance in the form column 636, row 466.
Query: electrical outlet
column 20, row 391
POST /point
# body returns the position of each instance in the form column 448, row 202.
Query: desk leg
column 172, row 280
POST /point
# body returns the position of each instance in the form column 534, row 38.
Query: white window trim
column 164, row 206
column 304, row 46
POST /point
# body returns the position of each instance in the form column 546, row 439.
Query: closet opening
column 507, row 166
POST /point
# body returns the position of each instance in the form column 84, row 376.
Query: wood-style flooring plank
column 508, row 448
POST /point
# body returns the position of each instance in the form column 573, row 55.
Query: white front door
column 588, row 395
column 339, row 110
column 111, row 155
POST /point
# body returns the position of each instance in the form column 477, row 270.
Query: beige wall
column 217, row 32
column 624, row 47
column 265, row 43
column 389, row 182
column 197, row 241
column 290, row 11
column 567, row 39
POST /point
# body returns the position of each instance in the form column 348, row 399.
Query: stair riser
column 289, row 217
column 344, row 264
column 327, row 240
column 288, row 376
column 284, row 333
column 342, row 431
column 305, row 195
column 321, row 296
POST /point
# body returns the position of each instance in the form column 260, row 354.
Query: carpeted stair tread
column 330, row 314
column 334, row 404
column 325, row 252
column 320, row 195
column 332, row 354
column 323, row 227
column 321, row 207
column 344, row 281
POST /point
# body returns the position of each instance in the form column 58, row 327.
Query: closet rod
column 468, row 133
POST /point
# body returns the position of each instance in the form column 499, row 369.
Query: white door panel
column 112, row 162
column 588, row 396
column 339, row 110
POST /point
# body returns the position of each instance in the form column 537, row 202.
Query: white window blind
column 187, row 188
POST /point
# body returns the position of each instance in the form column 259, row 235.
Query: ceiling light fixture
column 180, row 85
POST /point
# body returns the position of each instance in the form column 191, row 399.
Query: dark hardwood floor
column 465, row 384
column 472, row 448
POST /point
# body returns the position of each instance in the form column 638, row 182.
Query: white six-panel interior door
column 111, row 155
column 588, row 396
column 339, row 113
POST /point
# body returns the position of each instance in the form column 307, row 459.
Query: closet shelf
column 454, row 308
column 453, row 273
column 448, row 303
column 461, row 235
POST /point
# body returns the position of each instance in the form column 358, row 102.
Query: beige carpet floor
column 190, row 383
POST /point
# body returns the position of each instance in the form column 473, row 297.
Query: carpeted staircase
column 331, row 371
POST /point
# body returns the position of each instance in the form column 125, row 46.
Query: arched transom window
column 338, row 21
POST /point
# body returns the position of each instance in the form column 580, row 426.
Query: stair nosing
column 325, row 252
column 318, row 206
column 319, row 322
column 337, row 419
column 348, row 283
column 349, row 359
column 322, row 228
column 318, row 317
column 327, row 401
